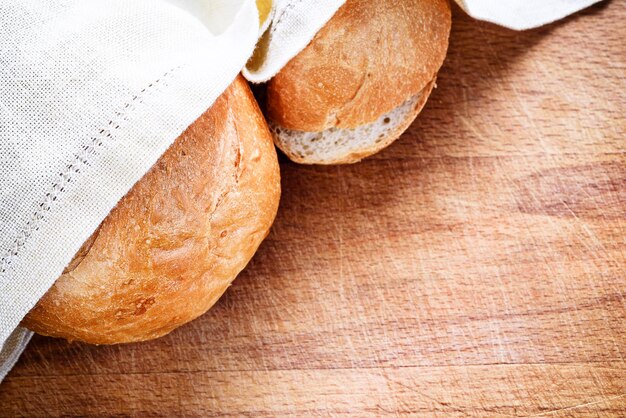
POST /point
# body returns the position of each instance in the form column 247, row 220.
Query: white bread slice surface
column 361, row 80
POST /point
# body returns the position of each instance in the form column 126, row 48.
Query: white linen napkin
column 294, row 24
column 92, row 93
column 522, row 14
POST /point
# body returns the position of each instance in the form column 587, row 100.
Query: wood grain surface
column 474, row 268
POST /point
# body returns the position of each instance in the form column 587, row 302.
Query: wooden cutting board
column 475, row 267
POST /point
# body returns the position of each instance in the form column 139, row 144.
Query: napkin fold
column 92, row 93
column 522, row 14
column 293, row 26
column 13, row 347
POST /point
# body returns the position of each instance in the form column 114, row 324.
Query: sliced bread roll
column 361, row 81
column 176, row 241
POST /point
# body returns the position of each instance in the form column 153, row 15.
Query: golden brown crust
column 174, row 243
column 370, row 58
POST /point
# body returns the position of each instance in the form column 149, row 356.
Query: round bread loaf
column 175, row 242
column 361, row 81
